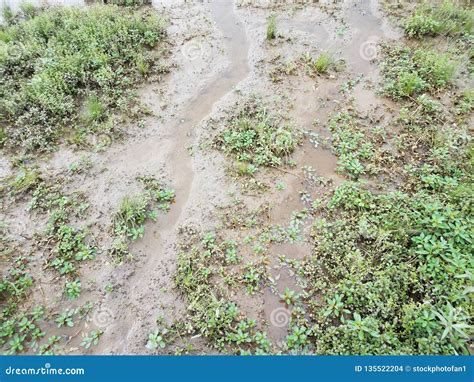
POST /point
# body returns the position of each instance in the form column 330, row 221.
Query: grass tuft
column 271, row 28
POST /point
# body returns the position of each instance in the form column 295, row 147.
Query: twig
column 288, row 172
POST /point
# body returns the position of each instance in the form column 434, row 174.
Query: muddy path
column 149, row 277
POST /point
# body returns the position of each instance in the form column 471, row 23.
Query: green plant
column 156, row 339
column 454, row 321
column 7, row 13
column 254, row 277
column 354, row 145
column 409, row 72
column 130, row 3
column 363, row 327
column 15, row 285
column 335, row 307
column 298, row 338
column 280, row 186
column 94, row 109
column 75, row 52
column 73, row 289
column 92, row 339
column 26, row 179
column 66, row 318
column 397, row 227
column 109, row 288
column 322, row 63
column 70, row 247
column 420, row 24
column 256, row 138
column 50, row 347
column 129, row 220
column 28, row 9
column 16, row 344
column 131, row 216
column 446, row 18
column 289, row 296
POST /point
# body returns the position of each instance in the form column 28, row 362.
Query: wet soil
column 220, row 56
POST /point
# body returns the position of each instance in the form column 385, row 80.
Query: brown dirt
column 221, row 56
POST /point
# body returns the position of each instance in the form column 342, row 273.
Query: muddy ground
column 219, row 57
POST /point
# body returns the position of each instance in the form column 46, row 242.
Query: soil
column 219, row 56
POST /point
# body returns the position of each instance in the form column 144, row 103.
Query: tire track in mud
column 143, row 286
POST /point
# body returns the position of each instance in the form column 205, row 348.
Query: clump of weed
column 131, row 216
column 61, row 55
column 91, row 339
column 130, row 3
column 271, row 28
column 446, row 18
column 24, row 181
column 14, row 286
column 73, row 289
column 7, row 13
column 254, row 137
column 398, row 266
column 356, row 146
column 70, row 247
column 94, row 109
column 419, row 125
column 322, row 63
column 28, row 10
column 129, row 221
column 210, row 313
column 254, row 277
column 409, row 72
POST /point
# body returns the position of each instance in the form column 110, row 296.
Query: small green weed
column 256, row 138
column 271, row 28
column 323, row 63
column 129, row 220
column 91, row 339
column 73, row 289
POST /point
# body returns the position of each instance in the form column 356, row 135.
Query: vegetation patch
column 408, row 72
column 256, row 138
column 67, row 68
column 357, row 147
column 210, row 312
column 25, row 180
column 446, row 18
column 129, row 220
column 324, row 63
column 271, row 28
column 397, row 265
